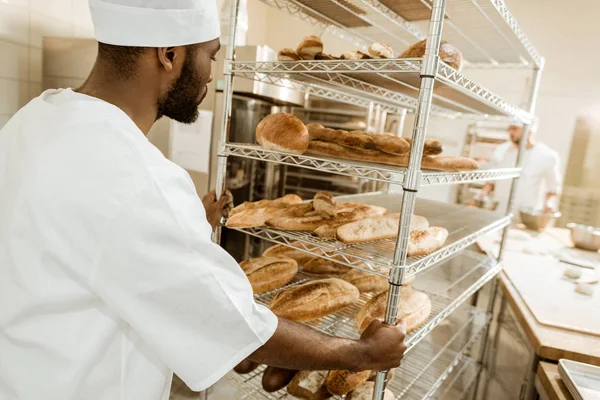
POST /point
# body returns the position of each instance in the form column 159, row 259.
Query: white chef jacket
column 109, row 281
column 540, row 175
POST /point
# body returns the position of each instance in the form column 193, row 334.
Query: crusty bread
column 324, row 203
column 340, row 383
column 431, row 147
column 365, row 392
column 376, row 228
column 325, row 56
column 282, row 132
column 269, row 273
column 252, row 218
column 306, row 223
column 314, row 299
column 414, row 308
column 346, row 214
column 282, row 202
column 366, row 282
column 309, row 385
column 353, row 139
column 423, row 242
column 440, row 163
column 448, row 53
column 280, row 250
column 309, row 47
column 288, row 54
column 390, row 144
column 323, row 266
column 354, row 55
column 380, row 50
column 275, row 378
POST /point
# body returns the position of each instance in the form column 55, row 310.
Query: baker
column 538, row 188
column 109, row 281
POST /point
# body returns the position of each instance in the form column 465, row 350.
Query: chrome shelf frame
column 377, row 172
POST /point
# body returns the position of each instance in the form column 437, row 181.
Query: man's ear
column 166, row 56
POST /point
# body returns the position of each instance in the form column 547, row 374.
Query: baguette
column 322, row 266
column 314, row 299
column 275, row 378
column 353, row 139
column 307, row 223
column 414, row 308
column 431, row 147
column 280, row 250
column 377, row 228
column 340, row 383
column 423, row 242
column 309, row 385
column 366, row 282
column 324, row 203
column 269, row 273
column 390, row 144
column 350, row 214
column 282, row 202
column 365, row 392
column 255, row 217
column 354, row 55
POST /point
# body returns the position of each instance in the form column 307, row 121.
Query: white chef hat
column 155, row 23
column 532, row 127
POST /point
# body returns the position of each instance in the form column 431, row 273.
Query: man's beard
column 516, row 141
column 181, row 100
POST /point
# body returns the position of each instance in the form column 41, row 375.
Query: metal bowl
column 538, row 220
column 585, row 237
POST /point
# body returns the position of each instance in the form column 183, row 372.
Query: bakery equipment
column 582, row 380
column 537, row 220
column 424, row 87
column 585, row 237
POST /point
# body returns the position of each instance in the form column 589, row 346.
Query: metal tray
column 582, row 380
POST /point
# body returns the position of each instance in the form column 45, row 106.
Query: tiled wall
column 23, row 23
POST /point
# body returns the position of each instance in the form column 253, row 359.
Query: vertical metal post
column 391, row 188
column 413, row 171
column 227, row 101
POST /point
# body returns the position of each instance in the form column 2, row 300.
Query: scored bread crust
column 314, row 299
column 269, row 273
column 288, row 54
column 252, row 218
column 431, row 147
column 354, row 55
column 423, row 242
column 390, row 144
column 377, row 228
column 324, row 203
column 281, row 250
column 323, row 266
column 309, row 385
column 351, row 139
column 345, row 214
column 414, row 308
column 282, row 132
column 366, row 282
column 309, row 47
column 281, row 202
column 340, row 383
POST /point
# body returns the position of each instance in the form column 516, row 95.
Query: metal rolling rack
column 489, row 37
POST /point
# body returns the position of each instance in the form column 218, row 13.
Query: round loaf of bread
column 309, row 47
column 282, row 132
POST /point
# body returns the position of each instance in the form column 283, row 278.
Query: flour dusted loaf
column 376, row 228
column 309, row 385
column 340, row 383
column 288, row 54
column 365, row 392
column 423, row 242
column 282, row 132
column 309, row 47
column 322, row 266
column 414, row 308
column 366, row 282
column 431, row 147
column 281, row 202
column 346, row 213
column 269, row 273
column 314, row 299
column 390, row 144
column 251, row 218
column 448, row 53
column 324, row 204
column 280, row 250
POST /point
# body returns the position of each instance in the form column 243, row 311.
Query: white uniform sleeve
column 552, row 175
column 184, row 296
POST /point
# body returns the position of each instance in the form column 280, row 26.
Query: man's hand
column 217, row 209
column 383, row 346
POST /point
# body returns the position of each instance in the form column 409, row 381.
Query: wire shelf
column 437, row 364
column 394, row 82
column 485, row 30
column 465, row 226
column 363, row 170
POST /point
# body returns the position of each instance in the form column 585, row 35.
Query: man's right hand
column 382, row 346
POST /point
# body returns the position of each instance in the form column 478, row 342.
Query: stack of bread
column 286, row 133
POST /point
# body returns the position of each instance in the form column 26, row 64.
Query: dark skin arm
column 296, row 346
column 217, row 209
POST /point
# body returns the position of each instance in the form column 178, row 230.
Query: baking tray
column 582, row 380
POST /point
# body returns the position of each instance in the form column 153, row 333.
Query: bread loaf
column 269, row 273
column 314, row 299
column 282, row 202
column 390, row 144
column 275, row 379
column 366, row 282
column 309, row 47
column 325, row 56
column 431, row 147
column 288, row 54
column 414, row 308
column 423, row 242
column 376, row 228
column 252, row 218
column 340, row 383
column 380, row 50
column 354, row 55
column 448, row 53
column 322, row 266
column 309, row 385
column 307, row 223
column 280, row 250
column 353, row 139
column 324, row 203
column 365, row 392
column 246, row 366
column 282, row 132
column 346, row 214
column 449, row 163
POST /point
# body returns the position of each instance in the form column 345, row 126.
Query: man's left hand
column 217, row 209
